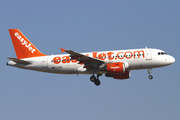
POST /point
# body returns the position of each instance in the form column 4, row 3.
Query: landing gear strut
column 150, row 76
column 95, row 80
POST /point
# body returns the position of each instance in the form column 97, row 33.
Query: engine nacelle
column 115, row 68
column 125, row 75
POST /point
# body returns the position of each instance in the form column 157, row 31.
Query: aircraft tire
column 97, row 82
column 150, row 77
column 92, row 78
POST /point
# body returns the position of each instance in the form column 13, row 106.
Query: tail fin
column 23, row 47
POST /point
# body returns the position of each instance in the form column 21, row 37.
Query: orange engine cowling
column 125, row 75
column 115, row 68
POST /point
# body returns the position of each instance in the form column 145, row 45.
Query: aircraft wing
column 86, row 60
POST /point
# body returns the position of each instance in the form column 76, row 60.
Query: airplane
column 114, row 63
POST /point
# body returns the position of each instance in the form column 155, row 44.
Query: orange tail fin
column 23, row 47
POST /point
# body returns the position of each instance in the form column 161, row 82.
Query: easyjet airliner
column 115, row 63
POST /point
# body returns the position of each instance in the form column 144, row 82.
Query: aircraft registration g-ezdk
column 116, row 63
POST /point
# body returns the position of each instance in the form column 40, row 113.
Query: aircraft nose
column 172, row 59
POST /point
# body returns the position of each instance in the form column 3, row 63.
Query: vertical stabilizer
column 23, row 47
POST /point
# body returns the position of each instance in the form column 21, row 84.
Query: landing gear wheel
column 97, row 82
column 150, row 77
column 92, row 78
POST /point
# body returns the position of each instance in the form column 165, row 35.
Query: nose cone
column 172, row 59
column 165, row 60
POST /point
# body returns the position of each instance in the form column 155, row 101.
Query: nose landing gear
column 96, row 81
column 150, row 76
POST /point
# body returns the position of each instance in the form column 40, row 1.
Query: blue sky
column 84, row 26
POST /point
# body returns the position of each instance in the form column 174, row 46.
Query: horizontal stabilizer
column 19, row 61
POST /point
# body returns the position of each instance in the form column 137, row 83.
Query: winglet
column 62, row 50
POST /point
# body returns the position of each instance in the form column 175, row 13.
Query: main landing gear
column 150, row 76
column 95, row 80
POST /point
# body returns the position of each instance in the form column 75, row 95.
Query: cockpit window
column 162, row 53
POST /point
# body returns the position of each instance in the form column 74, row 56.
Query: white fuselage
column 133, row 58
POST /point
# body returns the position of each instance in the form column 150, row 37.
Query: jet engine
column 115, row 67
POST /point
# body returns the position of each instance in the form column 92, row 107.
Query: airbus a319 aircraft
column 115, row 63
